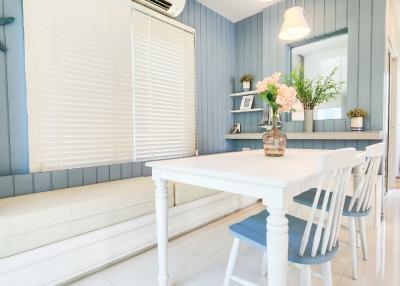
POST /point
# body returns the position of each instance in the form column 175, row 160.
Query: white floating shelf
column 244, row 93
column 351, row 135
column 249, row 110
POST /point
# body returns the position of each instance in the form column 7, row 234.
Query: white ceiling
column 236, row 10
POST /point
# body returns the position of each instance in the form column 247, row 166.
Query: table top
column 251, row 166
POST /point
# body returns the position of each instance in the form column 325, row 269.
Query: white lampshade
column 295, row 25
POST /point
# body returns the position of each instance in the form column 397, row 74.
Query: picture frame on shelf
column 235, row 128
column 247, row 102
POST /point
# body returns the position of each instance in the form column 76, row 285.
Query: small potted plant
column 246, row 81
column 311, row 93
column 357, row 118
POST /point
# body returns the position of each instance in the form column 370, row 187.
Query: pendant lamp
column 295, row 26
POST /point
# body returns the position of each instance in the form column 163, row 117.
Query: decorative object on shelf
column 308, row 120
column 280, row 98
column 235, row 129
column 246, row 81
column 247, row 102
column 357, row 116
column 311, row 93
column 5, row 21
column 295, row 26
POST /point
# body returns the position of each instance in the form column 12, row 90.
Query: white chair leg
column 326, row 273
column 353, row 246
column 264, row 265
column 363, row 236
column 305, row 275
column 358, row 235
column 232, row 261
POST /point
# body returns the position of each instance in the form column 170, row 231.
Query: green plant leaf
column 263, row 96
column 311, row 93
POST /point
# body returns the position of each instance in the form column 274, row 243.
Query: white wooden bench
column 56, row 237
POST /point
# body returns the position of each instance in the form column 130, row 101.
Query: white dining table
column 275, row 180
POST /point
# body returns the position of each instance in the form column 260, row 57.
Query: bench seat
column 31, row 221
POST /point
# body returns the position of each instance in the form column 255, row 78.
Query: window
column 95, row 98
column 319, row 59
column 163, row 89
column 78, row 83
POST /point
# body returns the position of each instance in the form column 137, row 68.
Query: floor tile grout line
column 342, row 275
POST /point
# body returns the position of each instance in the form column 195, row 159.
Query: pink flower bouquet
column 279, row 96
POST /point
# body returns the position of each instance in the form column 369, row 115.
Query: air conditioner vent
column 165, row 5
column 171, row 8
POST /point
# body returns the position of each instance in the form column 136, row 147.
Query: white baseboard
column 65, row 261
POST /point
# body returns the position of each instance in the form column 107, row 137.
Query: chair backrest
column 362, row 196
column 334, row 173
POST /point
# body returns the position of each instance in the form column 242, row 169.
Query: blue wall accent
column 365, row 20
column 249, row 55
column 13, row 116
column 23, row 184
column 215, row 48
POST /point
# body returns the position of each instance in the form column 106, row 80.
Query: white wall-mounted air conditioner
column 171, row 8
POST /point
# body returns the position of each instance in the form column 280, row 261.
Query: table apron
column 274, row 195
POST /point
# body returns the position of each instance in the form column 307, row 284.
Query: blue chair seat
column 307, row 199
column 253, row 229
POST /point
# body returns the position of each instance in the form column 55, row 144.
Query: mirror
column 319, row 58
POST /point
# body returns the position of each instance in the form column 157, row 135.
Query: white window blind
column 79, row 83
column 163, row 89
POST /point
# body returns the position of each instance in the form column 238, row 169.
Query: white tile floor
column 199, row 258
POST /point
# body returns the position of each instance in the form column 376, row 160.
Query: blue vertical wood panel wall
column 215, row 46
column 365, row 21
column 249, row 59
column 13, row 116
column 215, row 63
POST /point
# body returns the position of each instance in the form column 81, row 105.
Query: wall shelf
column 244, row 93
column 351, row 135
column 250, row 110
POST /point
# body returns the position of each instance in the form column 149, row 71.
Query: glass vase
column 274, row 141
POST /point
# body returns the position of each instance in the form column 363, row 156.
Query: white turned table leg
column 162, row 230
column 277, row 247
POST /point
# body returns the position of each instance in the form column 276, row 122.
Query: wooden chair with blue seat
column 358, row 206
column 309, row 243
